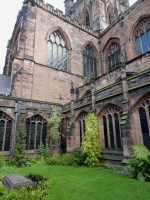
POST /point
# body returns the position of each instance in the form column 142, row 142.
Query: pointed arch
column 110, row 117
column 36, row 132
column 88, row 92
column 5, row 131
column 86, row 17
column 90, row 63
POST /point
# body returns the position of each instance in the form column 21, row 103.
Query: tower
column 68, row 5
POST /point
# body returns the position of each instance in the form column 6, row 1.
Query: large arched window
column 5, row 131
column 57, row 51
column 111, row 128
column 36, row 131
column 142, row 37
column 89, row 62
column 114, row 56
column 144, row 113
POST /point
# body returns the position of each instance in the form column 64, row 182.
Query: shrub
column 72, row 159
column 31, row 160
column 2, row 161
column 39, row 191
column 19, row 154
column 138, row 166
column 91, row 145
column 44, row 151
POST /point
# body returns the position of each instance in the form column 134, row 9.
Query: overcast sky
column 8, row 13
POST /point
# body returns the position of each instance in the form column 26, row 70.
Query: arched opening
column 36, row 132
column 144, row 126
column 89, row 62
column 114, row 56
column 63, row 130
column 57, row 54
column 5, row 131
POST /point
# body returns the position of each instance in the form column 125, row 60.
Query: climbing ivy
column 91, row 145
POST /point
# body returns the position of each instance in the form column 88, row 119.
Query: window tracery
column 36, row 131
column 57, row 51
column 114, row 56
column 82, row 119
column 89, row 62
column 111, row 128
column 142, row 37
column 144, row 114
column 5, row 131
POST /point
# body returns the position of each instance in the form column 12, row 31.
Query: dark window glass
column 89, row 62
column 111, row 132
column 113, row 56
column 87, row 19
column 35, row 132
column 105, row 131
column 143, row 38
column 117, row 126
column 57, row 52
column 5, row 132
column 144, row 127
column 80, row 123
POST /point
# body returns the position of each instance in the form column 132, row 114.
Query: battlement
column 49, row 8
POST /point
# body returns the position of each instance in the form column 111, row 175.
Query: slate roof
column 4, row 85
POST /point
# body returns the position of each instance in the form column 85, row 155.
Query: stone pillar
column 92, row 82
column 125, row 118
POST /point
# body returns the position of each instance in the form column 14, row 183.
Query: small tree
column 91, row 145
column 54, row 123
column 19, row 153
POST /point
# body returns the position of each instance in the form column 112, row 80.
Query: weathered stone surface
column 15, row 181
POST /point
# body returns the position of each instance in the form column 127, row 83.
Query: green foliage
column 19, row 154
column 39, row 191
column 138, row 166
column 73, row 159
column 2, row 161
column 54, row 123
column 91, row 145
column 44, row 151
column 31, row 160
column 7, row 168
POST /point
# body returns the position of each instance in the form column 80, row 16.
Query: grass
column 73, row 183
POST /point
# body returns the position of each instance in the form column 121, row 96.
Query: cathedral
column 94, row 58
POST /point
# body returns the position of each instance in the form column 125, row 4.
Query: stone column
column 92, row 82
column 125, row 118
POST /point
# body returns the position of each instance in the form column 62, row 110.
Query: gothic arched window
column 87, row 19
column 142, row 37
column 114, row 56
column 111, row 128
column 89, row 62
column 5, row 132
column 144, row 113
column 36, row 131
column 57, row 51
column 82, row 119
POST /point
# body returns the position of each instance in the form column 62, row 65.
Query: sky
column 8, row 13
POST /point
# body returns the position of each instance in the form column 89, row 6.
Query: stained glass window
column 114, row 56
column 142, row 37
column 57, row 52
column 5, row 132
column 36, row 131
column 89, row 62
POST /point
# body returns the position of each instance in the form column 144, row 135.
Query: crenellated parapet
column 58, row 13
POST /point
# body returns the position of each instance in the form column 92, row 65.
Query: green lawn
column 73, row 183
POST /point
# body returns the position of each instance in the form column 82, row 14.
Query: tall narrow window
column 114, row 56
column 89, row 62
column 36, row 131
column 105, row 131
column 111, row 128
column 142, row 37
column 57, row 54
column 5, row 132
column 87, row 19
column 144, row 127
column 81, row 121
